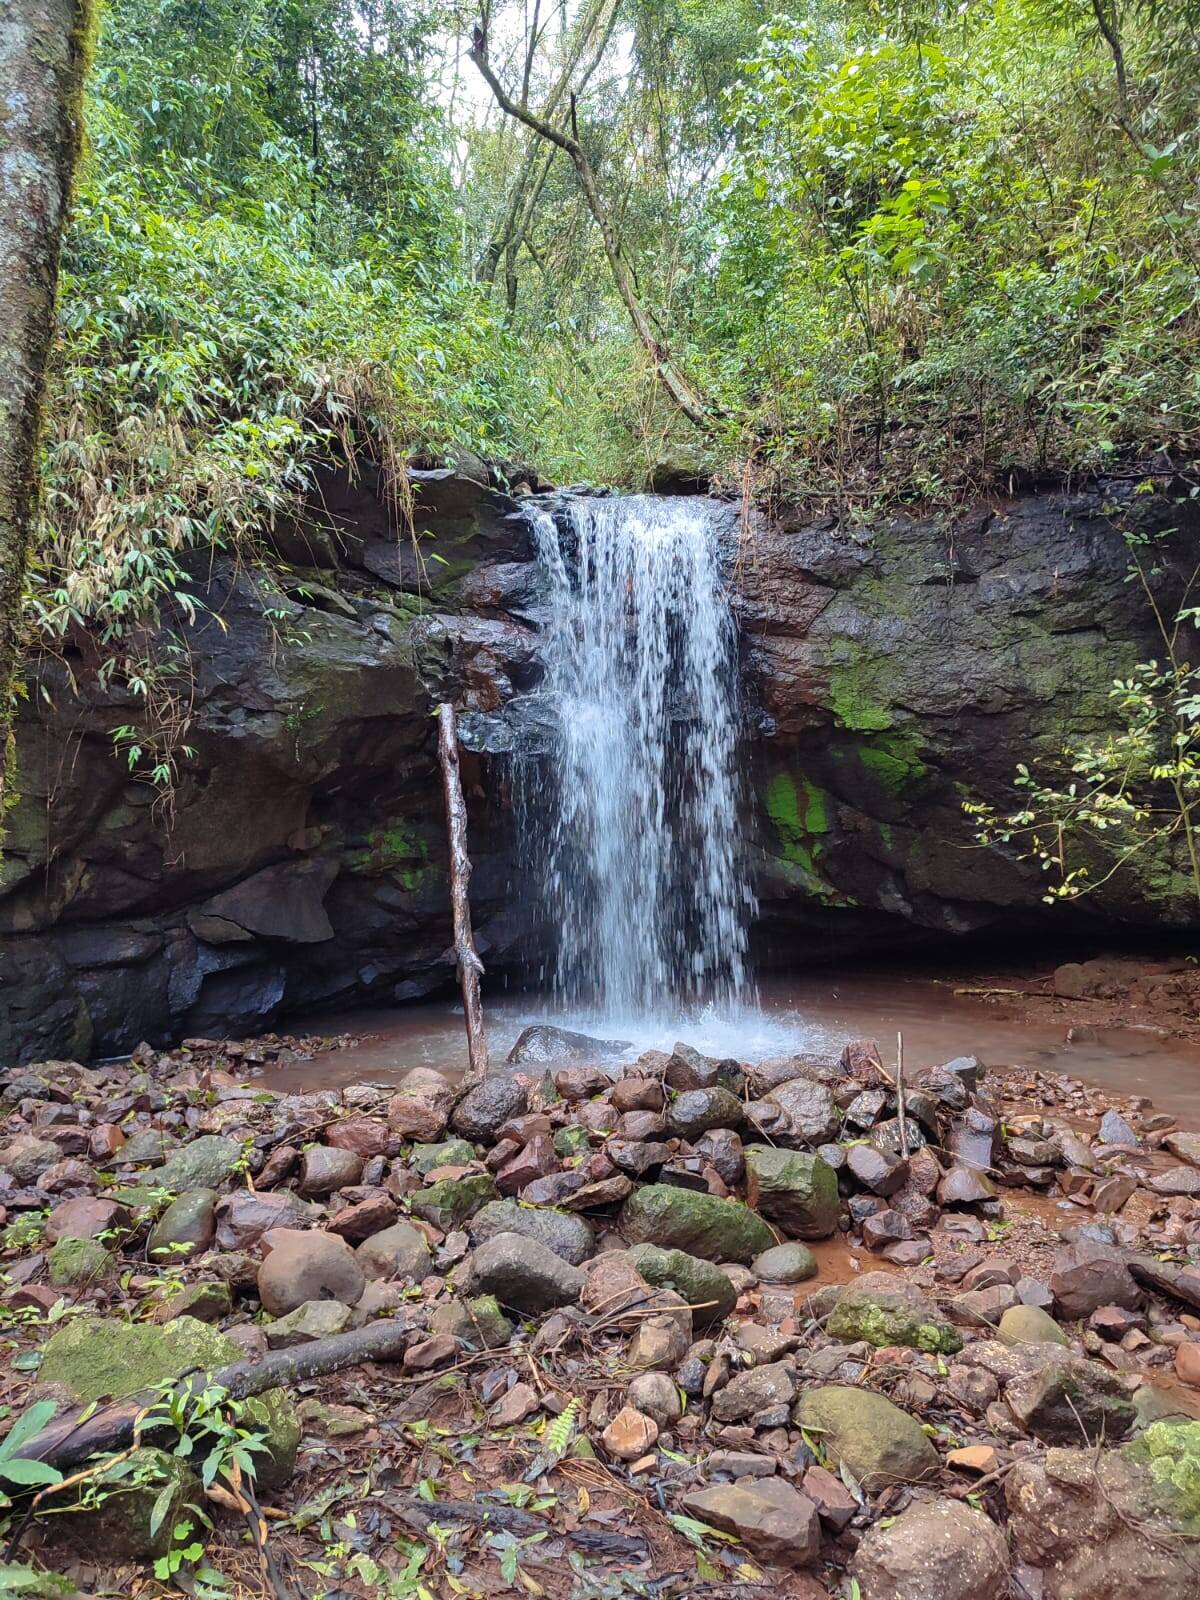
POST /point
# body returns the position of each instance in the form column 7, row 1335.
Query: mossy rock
column 76, row 1263
column 880, row 1444
column 206, row 1163
column 95, row 1357
column 450, row 1202
column 794, row 1189
column 115, row 1514
column 700, row 1224
column 1170, row 1453
column 699, row 1282
column 885, row 1310
column 450, row 1153
column 479, row 1322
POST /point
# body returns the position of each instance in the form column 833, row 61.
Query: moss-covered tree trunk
column 43, row 56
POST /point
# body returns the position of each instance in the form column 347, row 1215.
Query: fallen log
column 470, row 968
column 71, row 1439
column 1180, row 1283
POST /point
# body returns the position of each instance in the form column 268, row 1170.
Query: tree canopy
column 895, row 251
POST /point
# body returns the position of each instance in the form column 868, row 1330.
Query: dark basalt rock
column 302, row 861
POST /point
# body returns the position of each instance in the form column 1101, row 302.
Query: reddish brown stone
column 366, row 1217
column 363, row 1135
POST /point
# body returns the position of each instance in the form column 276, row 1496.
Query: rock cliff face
column 888, row 676
column 901, row 670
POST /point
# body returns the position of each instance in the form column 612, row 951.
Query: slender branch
column 680, row 389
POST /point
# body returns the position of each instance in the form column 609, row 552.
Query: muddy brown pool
column 816, row 1015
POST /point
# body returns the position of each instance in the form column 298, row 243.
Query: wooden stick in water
column 900, row 1109
column 470, row 968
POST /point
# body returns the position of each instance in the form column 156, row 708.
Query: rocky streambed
column 697, row 1328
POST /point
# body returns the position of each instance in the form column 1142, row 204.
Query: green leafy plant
column 21, row 1472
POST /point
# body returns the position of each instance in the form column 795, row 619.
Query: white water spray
column 642, row 866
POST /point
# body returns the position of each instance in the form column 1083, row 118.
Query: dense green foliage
column 260, row 275
column 902, row 252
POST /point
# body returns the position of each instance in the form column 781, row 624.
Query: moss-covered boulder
column 98, row 1356
column 1170, row 1453
column 117, row 1507
column 880, row 1444
column 449, row 1153
column 700, row 1224
column 450, row 1202
column 206, row 1163
column 886, row 1310
column 704, row 1286
column 76, row 1263
column 797, row 1190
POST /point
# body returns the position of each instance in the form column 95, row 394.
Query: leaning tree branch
column 682, row 391
column 470, row 968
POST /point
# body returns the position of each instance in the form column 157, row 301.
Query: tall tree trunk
column 44, row 47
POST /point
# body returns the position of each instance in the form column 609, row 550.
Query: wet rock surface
column 780, row 1375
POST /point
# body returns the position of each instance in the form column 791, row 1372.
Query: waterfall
column 641, row 861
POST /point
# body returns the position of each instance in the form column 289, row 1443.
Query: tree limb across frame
column 681, row 390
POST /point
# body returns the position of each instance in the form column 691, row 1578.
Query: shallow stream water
column 816, row 1015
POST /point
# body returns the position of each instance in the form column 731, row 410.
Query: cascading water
column 641, row 860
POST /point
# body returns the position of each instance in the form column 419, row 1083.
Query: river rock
column 96, row 1357
column 326, row 1167
column 1115, row 1130
column 315, row 1319
column 1088, row 1275
column 880, row 1444
column 1184, row 1145
column 420, row 1108
column 630, row 1434
column 84, row 1218
column 488, row 1106
column 363, row 1135
column 207, row 1163
column 449, row 1153
column 243, row 1217
column 759, row 1389
column 794, row 1189
column 886, row 1309
column 135, row 1508
column 450, row 1202
column 799, row 1112
column 543, row 1045
column 77, row 1263
column 655, row 1394
column 187, row 1226
column 524, row 1274
column 569, row 1236
column 25, row 1158
column 877, row 1170
column 1026, row 1324
column 1096, row 1527
column 721, row 1149
column 477, row 1323
column 695, row 1111
column 791, row 1262
column 773, row 1520
column 400, row 1251
column 307, row 1266
column 965, row 1185
column 702, row 1285
column 700, row 1224
column 1071, row 1401
column 660, row 1342
column 688, row 1069
column 934, row 1550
